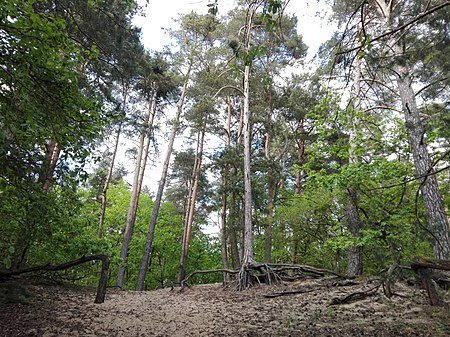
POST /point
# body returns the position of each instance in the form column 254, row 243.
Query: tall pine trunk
column 189, row 219
column 224, row 210
column 355, row 253
column 107, row 182
column 140, row 284
column 432, row 199
column 437, row 221
column 248, row 202
column 270, row 187
column 137, row 186
column 110, row 170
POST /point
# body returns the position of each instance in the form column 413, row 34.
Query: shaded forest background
column 345, row 167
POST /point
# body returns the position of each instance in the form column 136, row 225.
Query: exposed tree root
column 256, row 273
column 101, row 289
column 252, row 273
column 356, row 296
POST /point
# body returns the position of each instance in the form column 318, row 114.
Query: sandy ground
column 212, row 310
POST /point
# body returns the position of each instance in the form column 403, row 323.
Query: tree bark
column 437, row 221
column 52, row 151
column 223, row 218
column 355, row 253
column 270, row 186
column 107, row 182
column 110, row 169
column 355, row 256
column 232, row 230
column 191, row 211
column 432, row 199
column 137, row 186
column 301, row 160
column 248, row 202
column 140, row 284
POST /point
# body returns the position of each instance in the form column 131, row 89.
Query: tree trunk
column 269, row 223
column 223, row 225
column 234, row 223
column 106, row 183
column 270, row 187
column 355, row 253
column 137, row 185
column 162, row 182
column 244, row 277
column 248, row 203
column 110, row 170
column 190, row 218
column 300, row 159
column 355, row 256
column 232, row 230
column 437, row 221
column 52, row 151
column 434, row 205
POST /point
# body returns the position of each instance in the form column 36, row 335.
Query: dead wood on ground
column 430, row 276
column 208, row 271
column 101, row 289
column 356, row 296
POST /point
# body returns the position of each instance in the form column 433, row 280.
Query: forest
column 343, row 167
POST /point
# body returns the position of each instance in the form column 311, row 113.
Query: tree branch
column 395, row 30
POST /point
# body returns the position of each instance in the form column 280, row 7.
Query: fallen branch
column 356, row 296
column 208, row 271
column 426, row 270
column 305, row 268
column 101, row 289
column 430, row 263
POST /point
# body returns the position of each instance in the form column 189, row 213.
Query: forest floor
column 304, row 309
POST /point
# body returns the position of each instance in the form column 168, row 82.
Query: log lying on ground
column 426, row 270
column 101, row 289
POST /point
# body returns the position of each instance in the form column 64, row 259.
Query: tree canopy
column 342, row 163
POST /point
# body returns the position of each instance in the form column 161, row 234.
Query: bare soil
column 214, row 310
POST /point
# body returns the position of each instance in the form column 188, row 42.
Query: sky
column 312, row 24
